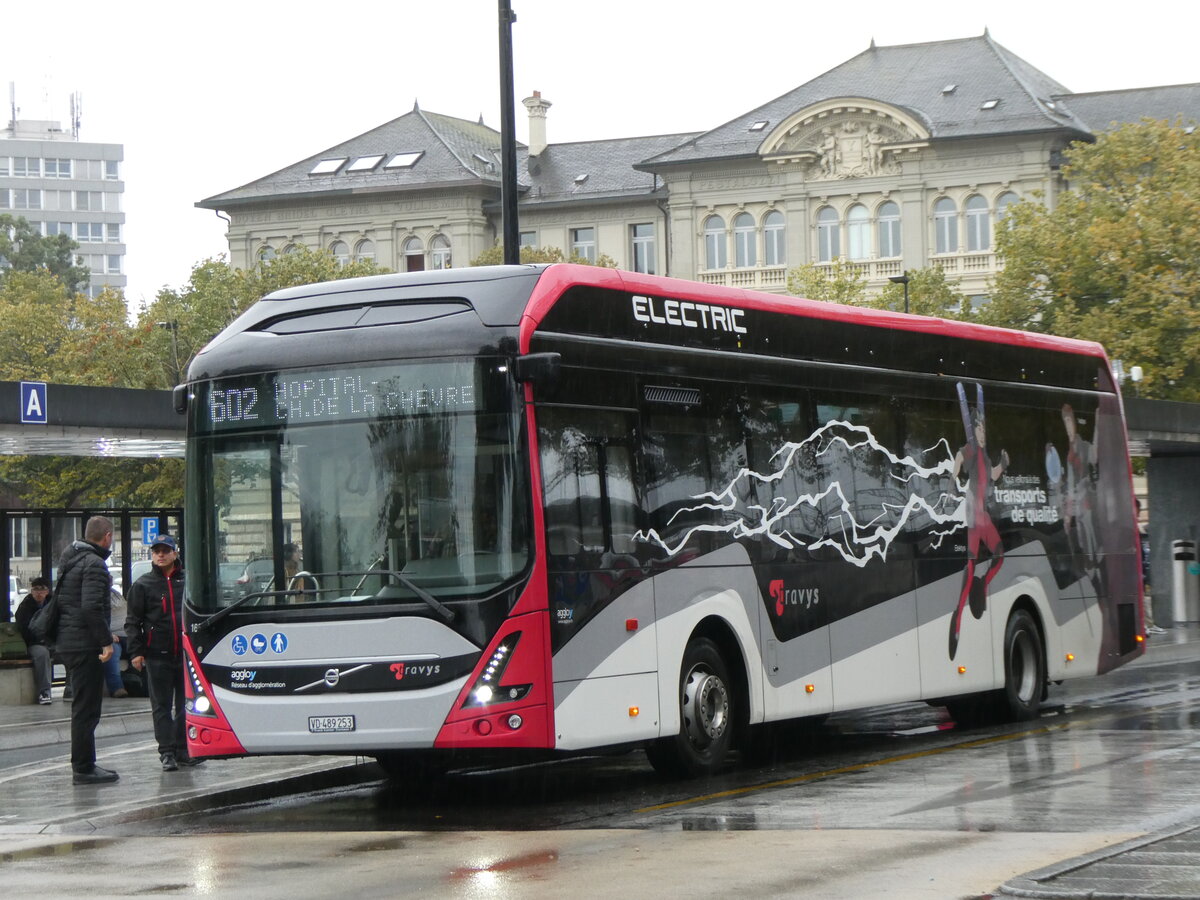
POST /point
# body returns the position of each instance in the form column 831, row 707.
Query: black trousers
column 86, row 676
column 164, row 678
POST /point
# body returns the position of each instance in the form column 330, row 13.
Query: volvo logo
column 332, row 678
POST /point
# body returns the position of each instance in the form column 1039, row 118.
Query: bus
column 562, row 508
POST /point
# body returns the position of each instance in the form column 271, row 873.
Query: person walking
column 154, row 629
column 39, row 653
column 84, row 640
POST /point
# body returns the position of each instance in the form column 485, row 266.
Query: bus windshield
column 360, row 485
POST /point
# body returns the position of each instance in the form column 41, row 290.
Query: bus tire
column 707, row 713
column 1024, row 668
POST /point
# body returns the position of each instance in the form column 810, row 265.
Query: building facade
column 63, row 185
column 900, row 158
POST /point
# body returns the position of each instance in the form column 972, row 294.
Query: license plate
column 324, row 724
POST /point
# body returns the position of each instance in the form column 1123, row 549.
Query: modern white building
column 900, row 158
column 64, row 185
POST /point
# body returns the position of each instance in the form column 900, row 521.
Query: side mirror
column 179, row 397
column 538, row 367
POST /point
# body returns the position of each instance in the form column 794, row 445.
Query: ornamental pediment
column 847, row 138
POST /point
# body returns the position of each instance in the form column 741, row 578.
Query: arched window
column 858, row 232
column 364, row 251
column 829, row 245
column 1003, row 202
column 291, row 250
column 266, row 253
column 715, row 253
column 745, row 241
column 340, row 252
column 439, row 252
column 979, row 225
column 414, row 255
column 774, row 239
column 889, row 230
column 945, row 226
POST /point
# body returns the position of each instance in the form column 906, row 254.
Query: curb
column 1032, row 884
column 58, row 731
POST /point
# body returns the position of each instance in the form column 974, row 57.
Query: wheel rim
column 705, row 707
column 1023, row 666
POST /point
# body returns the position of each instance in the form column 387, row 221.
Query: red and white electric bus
column 565, row 507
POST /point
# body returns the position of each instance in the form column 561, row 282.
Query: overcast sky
column 209, row 96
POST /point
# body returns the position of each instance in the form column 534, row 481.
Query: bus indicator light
column 634, row 712
column 962, row 670
column 631, row 624
column 809, row 688
column 483, row 726
column 515, row 721
column 1070, row 657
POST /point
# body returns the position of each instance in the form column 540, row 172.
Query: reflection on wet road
column 1113, row 753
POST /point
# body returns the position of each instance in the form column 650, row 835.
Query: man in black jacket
column 39, row 653
column 84, row 641
column 154, row 629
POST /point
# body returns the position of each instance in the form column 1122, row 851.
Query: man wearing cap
column 154, row 629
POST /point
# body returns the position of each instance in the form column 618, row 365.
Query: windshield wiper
column 240, row 601
column 427, row 598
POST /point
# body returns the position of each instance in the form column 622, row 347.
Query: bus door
column 601, row 602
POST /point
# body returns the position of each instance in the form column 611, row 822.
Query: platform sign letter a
column 33, row 403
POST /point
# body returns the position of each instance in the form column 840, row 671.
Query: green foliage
column 844, row 282
column 494, row 256
column 1116, row 260
column 929, row 294
column 23, row 249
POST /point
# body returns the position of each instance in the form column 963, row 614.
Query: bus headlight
column 487, row 689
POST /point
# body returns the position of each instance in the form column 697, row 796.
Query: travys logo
column 785, row 596
column 414, row 670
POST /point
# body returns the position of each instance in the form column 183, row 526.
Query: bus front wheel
column 706, row 714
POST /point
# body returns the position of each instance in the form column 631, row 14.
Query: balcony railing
column 763, row 278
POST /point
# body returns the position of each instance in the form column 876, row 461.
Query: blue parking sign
column 149, row 530
column 33, row 403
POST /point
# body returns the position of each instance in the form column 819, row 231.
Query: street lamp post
column 173, row 327
column 904, row 280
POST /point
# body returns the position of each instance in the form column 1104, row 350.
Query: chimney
column 537, row 122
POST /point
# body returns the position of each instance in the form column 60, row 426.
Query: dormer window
column 759, row 125
column 580, row 179
column 327, row 166
column 989, row 104
column 950, row 89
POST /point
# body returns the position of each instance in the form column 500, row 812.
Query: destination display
column 272, row 399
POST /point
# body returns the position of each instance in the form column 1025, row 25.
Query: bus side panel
column 606, row 675
column 875, row 656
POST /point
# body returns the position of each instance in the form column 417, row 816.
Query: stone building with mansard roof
column 901, row 157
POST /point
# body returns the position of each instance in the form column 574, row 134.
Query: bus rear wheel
column 707, row 707
column 1024, row 668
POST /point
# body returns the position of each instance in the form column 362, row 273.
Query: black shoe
column 168, row 762
column 189, row 761
column 96, row 776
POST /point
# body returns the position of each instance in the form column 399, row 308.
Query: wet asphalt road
column 895, row 803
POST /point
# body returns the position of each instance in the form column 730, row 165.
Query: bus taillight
column 208, row 731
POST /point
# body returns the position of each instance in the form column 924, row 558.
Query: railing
column 759, row 278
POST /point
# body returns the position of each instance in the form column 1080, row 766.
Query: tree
column 24, row 249
column 178, row 323
column 1116, row 260
column 494, row 256
column 929, row 294
column 843, row 283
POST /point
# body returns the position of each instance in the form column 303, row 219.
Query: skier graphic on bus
column 973, row 460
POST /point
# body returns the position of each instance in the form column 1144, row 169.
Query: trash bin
column 1185, row 587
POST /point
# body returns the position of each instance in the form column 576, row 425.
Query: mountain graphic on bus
column 841, row 489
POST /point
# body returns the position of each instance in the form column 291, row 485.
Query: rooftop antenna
column 12, row 102
column 76, row 113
